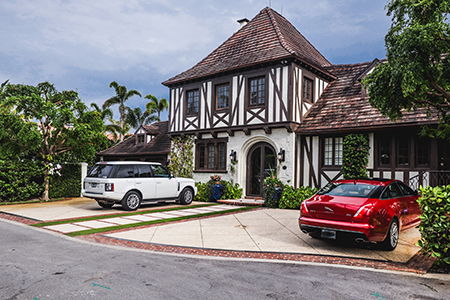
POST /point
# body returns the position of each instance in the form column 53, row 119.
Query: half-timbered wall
column 283, row 101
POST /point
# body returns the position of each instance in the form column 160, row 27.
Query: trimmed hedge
column 66, row 182
column 435, row 225
column 20, row 180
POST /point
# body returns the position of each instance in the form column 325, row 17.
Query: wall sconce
column 233, row 156
column 281, row 155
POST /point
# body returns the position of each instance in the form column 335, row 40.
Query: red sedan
column 367, row 210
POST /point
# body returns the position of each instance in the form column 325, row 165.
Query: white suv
column 130, row 183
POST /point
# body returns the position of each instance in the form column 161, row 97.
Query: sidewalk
column 258, row 232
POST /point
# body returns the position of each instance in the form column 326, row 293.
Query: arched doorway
column 261, row 162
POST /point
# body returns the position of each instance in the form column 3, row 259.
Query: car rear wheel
column 105, row 204
column 186, row 196
column 131, row 201
column 391, row 240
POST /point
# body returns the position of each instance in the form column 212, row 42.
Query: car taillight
column 362, row 212
column 109, row 187
column 304, row 210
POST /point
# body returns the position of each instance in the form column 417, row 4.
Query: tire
column 391, row 240
column 105, row 204
column 131, row 201
column 186, row 196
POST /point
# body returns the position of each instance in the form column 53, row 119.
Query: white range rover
column 130, row 183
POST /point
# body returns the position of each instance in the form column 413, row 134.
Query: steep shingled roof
column 342, row 106
column 267, row 37
column 160, row 144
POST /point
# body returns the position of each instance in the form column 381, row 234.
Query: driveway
column 263, row 230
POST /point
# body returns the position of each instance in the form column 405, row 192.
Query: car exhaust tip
column 360, row 240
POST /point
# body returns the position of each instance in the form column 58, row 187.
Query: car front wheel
column 186, row 196
column 131, row 201
column 391, row 240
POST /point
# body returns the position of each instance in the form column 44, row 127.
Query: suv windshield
column 100, row 171
column 348, row 189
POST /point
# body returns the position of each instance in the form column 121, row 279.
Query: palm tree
column 106, row 114
column 122, row 95
column 117, row 130
column 136, row 117
column 155, row 106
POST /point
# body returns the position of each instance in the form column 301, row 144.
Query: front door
column 261, row 162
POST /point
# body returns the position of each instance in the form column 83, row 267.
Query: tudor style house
column 271, row 102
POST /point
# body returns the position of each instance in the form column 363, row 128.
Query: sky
column 84, row 45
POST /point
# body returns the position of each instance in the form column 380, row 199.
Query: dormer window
column 141, row 139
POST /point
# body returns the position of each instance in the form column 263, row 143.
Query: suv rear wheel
column 131, row 201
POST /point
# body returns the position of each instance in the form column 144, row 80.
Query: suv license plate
column 328, row 234
column 94, row 185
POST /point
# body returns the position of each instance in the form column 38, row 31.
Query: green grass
column 97, row 230
column 116, row 215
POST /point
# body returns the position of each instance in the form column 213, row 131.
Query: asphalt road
column 38, row 265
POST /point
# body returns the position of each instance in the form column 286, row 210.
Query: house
column 148, row 143
column 267, row 101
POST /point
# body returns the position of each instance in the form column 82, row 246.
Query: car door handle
column 138, row 182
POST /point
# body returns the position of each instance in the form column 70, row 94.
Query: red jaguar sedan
column 366, row 210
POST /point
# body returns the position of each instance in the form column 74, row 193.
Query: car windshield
column 348, row 189
column 100, row 171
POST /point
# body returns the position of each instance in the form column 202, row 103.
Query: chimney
column 243, row 22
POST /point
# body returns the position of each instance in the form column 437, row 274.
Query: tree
column 136, row 117
column 417, row 71
column 61, row 122
column 122, row 96
column 156, row 106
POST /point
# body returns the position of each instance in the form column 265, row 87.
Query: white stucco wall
column 241, row 143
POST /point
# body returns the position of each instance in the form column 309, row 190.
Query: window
column 257, row 91
column 141, row 138
column 333, row 151
column 423, row 156
column 144, row 171
column 385, row 152
column 222, row 96
column 403, row 151
column 192, row 102
column 211, row 155
column 125, row 171
column 307, row 89
column 160, row 171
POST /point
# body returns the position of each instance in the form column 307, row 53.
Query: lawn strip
column 104, row 229
column 99, row 217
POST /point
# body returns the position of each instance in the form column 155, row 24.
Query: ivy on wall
column 355, row 156
column 182, row 156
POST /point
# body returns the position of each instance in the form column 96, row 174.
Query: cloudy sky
column 83, row 45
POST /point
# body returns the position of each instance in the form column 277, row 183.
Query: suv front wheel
column 131, row 201
column 186, row 196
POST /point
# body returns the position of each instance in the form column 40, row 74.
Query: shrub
column 205, row 190
column 435, row 225
column 20, row 180
column 270, row 187
column 354, row 158
column 65, row 181
column 293, row 198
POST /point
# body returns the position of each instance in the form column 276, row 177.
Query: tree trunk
column 47, row 184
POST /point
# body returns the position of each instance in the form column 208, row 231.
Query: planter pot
column 217, row 192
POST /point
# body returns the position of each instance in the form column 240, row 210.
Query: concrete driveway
column 263, row 230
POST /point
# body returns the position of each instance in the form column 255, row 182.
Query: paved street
column 38, row 264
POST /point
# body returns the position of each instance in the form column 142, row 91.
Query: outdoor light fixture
column 281, row 155
column 233, row 156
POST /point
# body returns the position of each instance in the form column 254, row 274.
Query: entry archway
column 261, row 162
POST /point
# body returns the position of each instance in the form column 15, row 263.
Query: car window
column 144, row 171
column 125, row 171
column 347, row 189
column 406, row 190
column 100, row 171
column 391, row 191
column 160, row 171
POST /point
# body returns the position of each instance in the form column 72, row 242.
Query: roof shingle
column 267, row 37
